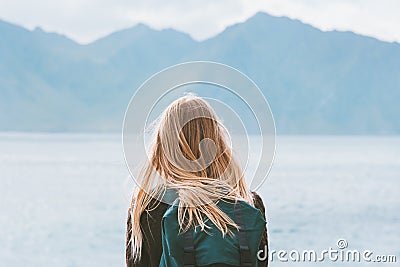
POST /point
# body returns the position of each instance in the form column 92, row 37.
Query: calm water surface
column 64, row 197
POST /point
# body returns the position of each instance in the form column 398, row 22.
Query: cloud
column 87, row 20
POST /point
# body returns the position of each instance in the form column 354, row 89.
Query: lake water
column 64, row 198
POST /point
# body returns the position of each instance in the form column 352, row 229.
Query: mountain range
column 316, row 82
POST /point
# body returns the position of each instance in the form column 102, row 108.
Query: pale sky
column 87, row 20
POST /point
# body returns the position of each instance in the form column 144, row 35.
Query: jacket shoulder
column 258, row 202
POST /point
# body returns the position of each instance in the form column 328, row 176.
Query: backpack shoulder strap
column 188, row 249
column 245, row 255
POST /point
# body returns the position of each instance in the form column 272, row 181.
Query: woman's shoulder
column 256, row 196
column 154, row 210
column 157, row 208
column 258, row 202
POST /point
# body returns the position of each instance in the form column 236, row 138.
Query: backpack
column 209, row 248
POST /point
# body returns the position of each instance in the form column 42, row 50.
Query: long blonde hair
column 191, row 155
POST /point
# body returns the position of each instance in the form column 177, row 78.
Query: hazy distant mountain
column 316, row 82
